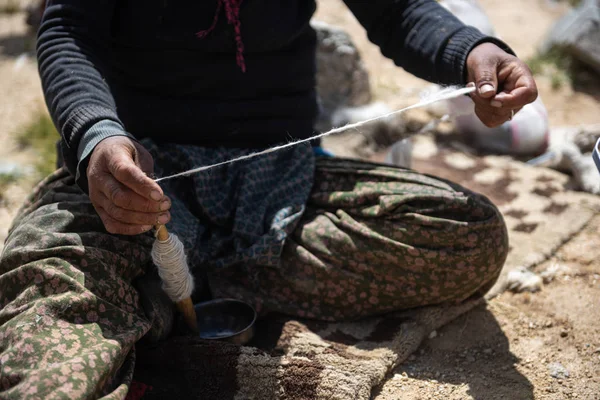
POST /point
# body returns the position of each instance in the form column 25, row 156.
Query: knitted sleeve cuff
column 98, row 132
column 453, row 60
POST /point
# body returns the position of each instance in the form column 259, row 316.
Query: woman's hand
column 504, row 84
column 127, row 200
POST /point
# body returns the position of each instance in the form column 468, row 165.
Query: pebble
column 487, row 351
column 558, row 371
column 564, row 333
column 433, row 335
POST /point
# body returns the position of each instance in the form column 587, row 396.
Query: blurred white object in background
column 526, row 134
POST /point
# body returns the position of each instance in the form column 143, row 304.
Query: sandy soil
column 20, row 101
column 522, row 346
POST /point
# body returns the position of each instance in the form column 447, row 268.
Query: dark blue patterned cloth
column 236, row 213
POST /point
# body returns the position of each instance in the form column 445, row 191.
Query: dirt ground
column 544, row 345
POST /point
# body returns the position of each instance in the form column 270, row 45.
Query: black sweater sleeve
column 421, row 36
column 72, row 46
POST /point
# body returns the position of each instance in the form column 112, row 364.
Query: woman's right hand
column 126, row 198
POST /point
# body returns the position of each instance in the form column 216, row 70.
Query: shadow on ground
column 472, row 350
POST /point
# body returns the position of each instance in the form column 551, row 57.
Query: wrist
column 486, row 48
column 90, row 140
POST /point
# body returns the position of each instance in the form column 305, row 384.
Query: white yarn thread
column 171, row 261
column 446, row 94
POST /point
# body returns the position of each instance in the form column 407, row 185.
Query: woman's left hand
column 504, row 84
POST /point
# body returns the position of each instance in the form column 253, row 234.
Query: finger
column 129, row 174
column 131, row 217
column 144, row 160
column 485, row 76
column 517, row 98
column 125, row 198
column 491, row 117
column 118, row 228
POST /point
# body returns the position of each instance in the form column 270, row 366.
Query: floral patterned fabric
column 320, row 238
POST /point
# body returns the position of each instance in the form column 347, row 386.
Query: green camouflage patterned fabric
column 334, row 240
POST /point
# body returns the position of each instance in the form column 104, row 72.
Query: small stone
column 558, row 371
column 432, row 335
column 564, row 333
column 487, row 351
column 523, row 280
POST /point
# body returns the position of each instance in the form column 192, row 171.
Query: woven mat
column 540, row 212
column 291, row 359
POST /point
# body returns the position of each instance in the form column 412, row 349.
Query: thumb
column 143, row 159
column 486, row 79
column 126, row 168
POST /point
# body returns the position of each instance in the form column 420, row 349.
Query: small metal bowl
column 226, row 319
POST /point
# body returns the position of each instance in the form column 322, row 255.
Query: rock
column 554, row 271
column 579, row 33
column 558, row 371
column 523, row 280
column 564, row 333
column 342, row 78
column 433, row 335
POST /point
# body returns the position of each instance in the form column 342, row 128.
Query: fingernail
column 164, row 206
column 146, row 228
column 471, row 84
column 163, row 218
column 486, row 89
column 496, row 103
column 154, row 195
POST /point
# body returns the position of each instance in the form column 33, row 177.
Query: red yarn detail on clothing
column 232, row 12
